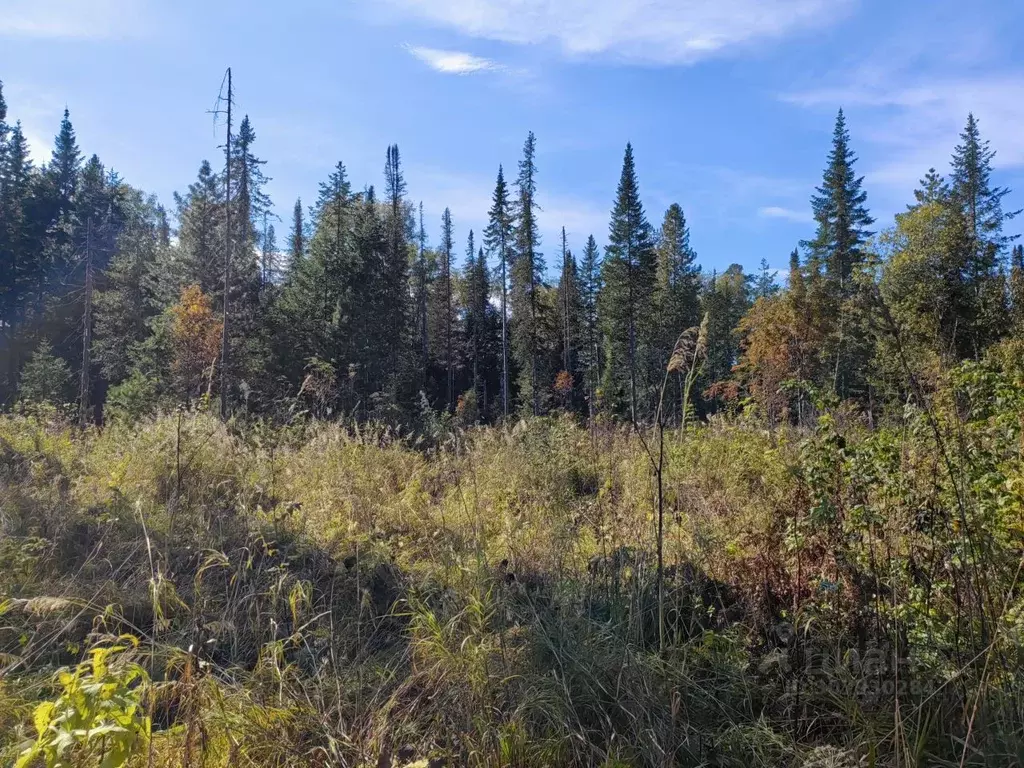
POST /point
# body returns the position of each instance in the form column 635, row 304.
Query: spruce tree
column 590, row 335
column 570, row 326
column 421, row 299
column 842, row 229
column 127, row 304
column 527, row 280
column 840, row 214
column 726, row 299
column 500, row 239
column 629, row 274
column 447, row 307
column 65, row 162
column 311, row 327
column 978, row 206
column 1017, row 290
column 395, row 288
column 677, row 292
column 200, row 244
column 20, row 260
column 297, row 238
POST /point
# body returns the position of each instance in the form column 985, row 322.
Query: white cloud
column 452, row 62
column 658, row 31
column 778, row 212
column 913, row 123
column 75, row 19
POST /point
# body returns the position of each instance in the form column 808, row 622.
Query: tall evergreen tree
column 297, row 238
column 979, row 206
column 312, row 325
column 842, row 229
column 200, row 217
column 590, row 333
column 527, row 280
column 726, row 298
column 421, row 299
column 570, row 314
column 677, row 292
column 839, row 211
column 395, row 296
column 629, row 274
column 1017, row 290
column 20, row 264
column 500, row 240
column 447, row 307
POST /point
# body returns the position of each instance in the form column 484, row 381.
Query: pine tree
column 527, row 279
column 499, row 238
column 629, row 279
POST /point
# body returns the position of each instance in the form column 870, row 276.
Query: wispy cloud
column 788, row 214
column 75, row 19
column 452, row 62
column 652, row 31
column 913, row 123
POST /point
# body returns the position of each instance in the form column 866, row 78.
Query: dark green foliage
column 355, row 315
column 500, row 240
column 527, row 280
column 629, row 275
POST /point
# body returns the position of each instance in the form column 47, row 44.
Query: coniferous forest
column 344, row 490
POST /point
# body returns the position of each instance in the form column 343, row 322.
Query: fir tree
column 629, row 279
column 527, row 279
column 499, row 238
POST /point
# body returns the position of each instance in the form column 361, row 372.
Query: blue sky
column 729, row 103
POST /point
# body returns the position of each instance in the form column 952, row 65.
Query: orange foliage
column 196, row 334
column 771, row 354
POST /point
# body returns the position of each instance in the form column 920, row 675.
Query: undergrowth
column 324, row 594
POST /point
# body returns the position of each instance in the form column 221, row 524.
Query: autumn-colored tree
column 196, row 336
column 771, row 341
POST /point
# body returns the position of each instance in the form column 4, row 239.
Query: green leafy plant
column 98, row 718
